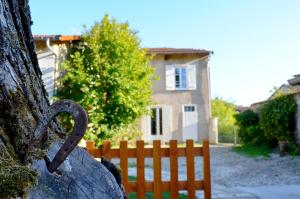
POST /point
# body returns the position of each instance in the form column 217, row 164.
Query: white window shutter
column 145, row 127
column 170, row 77
column 167, row 123
column 191, row 77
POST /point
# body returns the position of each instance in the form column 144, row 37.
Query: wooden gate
column 141, row 186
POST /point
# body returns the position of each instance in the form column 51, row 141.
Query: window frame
column 182, row 81
column 158, row 121
column 189, row 105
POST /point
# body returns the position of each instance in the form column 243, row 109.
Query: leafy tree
column 110, row 76
column 225, row 112
column 277, row 118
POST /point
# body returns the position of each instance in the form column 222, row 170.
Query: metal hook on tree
column 81, row 120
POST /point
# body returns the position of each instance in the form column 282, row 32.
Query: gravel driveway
column 236, row 176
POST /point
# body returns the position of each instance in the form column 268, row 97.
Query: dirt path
column 237, row 172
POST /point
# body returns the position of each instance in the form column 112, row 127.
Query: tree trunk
column 23, row 100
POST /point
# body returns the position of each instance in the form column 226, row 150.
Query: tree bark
column 23, row 101
column 23, row 98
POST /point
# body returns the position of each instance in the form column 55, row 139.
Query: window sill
column 181, row 89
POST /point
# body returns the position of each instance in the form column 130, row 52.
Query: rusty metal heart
column 81, row 120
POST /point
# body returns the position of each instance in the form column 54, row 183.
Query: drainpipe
column 55, row 63
column 208, row 83
column 213, row 128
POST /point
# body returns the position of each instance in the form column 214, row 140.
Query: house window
column 156, row 121
column 181, row 77
column 189, row 108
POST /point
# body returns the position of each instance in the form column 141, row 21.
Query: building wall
column 46, row 61
column 297, row 133
column 49, row 62
column 177, row 98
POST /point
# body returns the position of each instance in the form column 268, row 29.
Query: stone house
column 181, row 96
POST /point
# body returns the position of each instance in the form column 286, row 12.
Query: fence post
column 206, row 170
column 140, row 169
column 157, row 169
column 234, row 130
column 190, row 169
column 174, row 169
column 124, row 164
column 105, row 150
column 90, row 146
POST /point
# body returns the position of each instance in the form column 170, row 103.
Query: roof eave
column 57, row 38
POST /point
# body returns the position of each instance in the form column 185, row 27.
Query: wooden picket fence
column 141, row 186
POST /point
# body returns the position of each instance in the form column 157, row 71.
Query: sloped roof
column 286, row 89
column 157, row 51
column 295, row 88
column 172, row 51
column 295, row 80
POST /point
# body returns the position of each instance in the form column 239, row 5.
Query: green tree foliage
column 225, row 112
column 110, row 76
column 278, row 118
column 274, row 121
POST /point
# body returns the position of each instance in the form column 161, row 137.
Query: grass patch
column 133, row 165
column 149, row 195
column 165, row 195
column 252, row 151
column 132, row 178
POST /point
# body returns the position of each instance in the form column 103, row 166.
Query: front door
column 190, row 122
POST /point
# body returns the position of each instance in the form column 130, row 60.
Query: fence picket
column 140, row 169
column 157, row 169
column 174, row 169
column 124, row 164
column 190, row 169
column 206, row 170
column 90, row 146
column 105, row 150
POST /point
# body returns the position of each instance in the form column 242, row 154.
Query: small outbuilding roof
column 62, row 38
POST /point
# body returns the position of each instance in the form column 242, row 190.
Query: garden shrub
column 277, row 118
column 250, row 132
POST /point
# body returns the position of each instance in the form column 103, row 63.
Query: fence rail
column 141, row 186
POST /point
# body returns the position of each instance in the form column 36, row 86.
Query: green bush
column 277, row 118
column 250, row 132
column 130, row 134
column 246, row 119
column 255, row 135
column 275, row 121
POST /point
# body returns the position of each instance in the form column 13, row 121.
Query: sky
column 256, row 43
